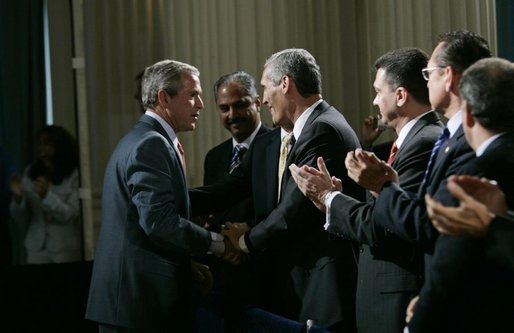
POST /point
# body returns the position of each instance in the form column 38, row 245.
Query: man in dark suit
column 466, row 292
column 141, row 278
column 388, row 275
column 403, row 212
column 238, row 105
column 317, row 273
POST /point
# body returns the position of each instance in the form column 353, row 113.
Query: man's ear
column 162, row 97
column 401, row 95
column 452, row 79
column 285, row 83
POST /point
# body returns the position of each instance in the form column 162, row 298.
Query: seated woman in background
column 47, row 200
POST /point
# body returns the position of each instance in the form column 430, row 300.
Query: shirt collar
column 300, row 122
column 246, row 143
column 406, row 129
column 454, row 123
column 167, row 128
column 483, row 147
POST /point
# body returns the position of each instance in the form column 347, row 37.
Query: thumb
column 322, row 167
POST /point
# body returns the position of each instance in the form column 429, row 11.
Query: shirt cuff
column 242, row 244
column 217, row 245
column 328, row 202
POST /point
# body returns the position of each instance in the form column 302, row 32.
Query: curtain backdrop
column 121, row 37
column 22, row 85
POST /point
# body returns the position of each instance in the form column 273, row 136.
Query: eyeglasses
column 427, row 70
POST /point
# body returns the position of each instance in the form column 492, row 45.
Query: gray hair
column 299, row 65
column 243, row 78
column 166, row 75
column 488, row 89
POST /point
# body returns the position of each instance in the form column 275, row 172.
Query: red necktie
column 182, row 155
column 394, row 149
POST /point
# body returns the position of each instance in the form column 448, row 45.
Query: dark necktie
column 445, row 134
column 182, row 155
column 237, row 156
column 392, row 154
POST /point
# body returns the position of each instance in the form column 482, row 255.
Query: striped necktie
column 445, row 135
column 237, row 156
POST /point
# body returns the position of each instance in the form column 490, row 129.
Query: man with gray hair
column 316, row 273
column 142, row 273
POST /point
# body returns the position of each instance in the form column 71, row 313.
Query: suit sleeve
column 296, row 212
column 159, row 193
column 500, row 238
column 224, row 194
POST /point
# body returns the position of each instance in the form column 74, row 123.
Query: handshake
column 232, row 232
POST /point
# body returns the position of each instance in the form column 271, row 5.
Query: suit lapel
column 159, row 129
column 322, row 107
column 429, row 118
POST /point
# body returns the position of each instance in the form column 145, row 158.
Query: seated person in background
column 47, row 200
column 371, row 128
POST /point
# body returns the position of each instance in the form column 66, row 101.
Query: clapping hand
column 315, row 184
column 480, row 200
column 367, row 170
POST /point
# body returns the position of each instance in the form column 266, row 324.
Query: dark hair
column 488, row 89
column 403, row 69
column 166, row 75
column 298, row 64
column 246, row 80
column 65, row 159
column 461, row 49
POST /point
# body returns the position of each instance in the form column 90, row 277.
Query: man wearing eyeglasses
column 404, row 213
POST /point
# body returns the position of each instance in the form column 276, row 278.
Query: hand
column 472, row 217
column 315, row 184
column 234, row 231
column 232, row 254
column 370, row 131
column 367, row 170
column 202, row 277
column 16, row 188
column 41, row 186
column 483, row 190
column 411, row 309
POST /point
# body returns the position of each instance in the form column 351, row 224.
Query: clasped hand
column 232, row 233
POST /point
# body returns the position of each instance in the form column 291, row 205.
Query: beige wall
column 121, row 37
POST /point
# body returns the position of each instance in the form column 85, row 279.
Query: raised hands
column 480, row 200
column 367, row 170
column 370, row 130
column 315, row 184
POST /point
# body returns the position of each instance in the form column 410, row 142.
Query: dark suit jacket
column 501, row 241
column 465, row 291
column 317, row 272
column 142, row 270
column 389, row 267
column 404, row 213
column 216, row 167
